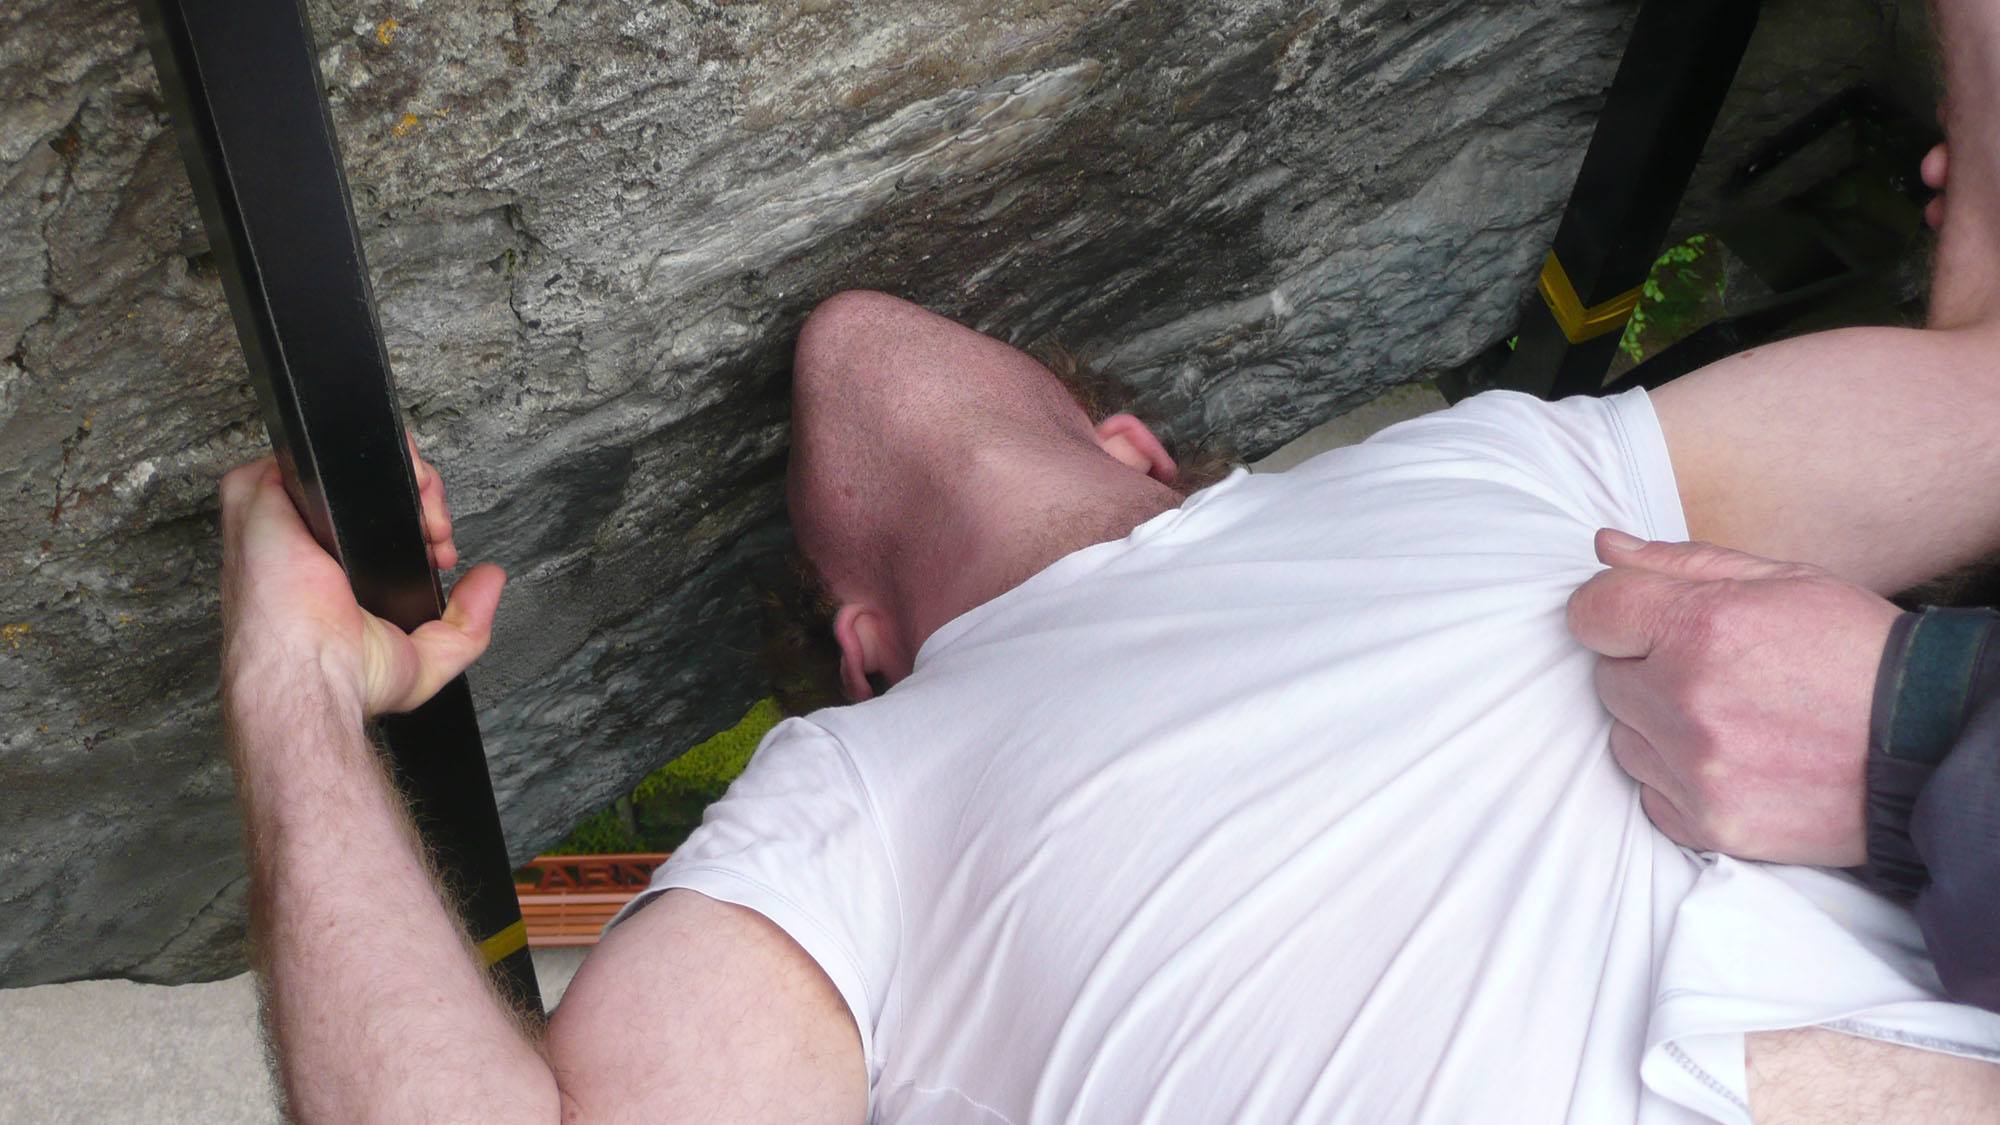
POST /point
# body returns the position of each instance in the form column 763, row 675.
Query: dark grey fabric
column 1894, row 782
column 1935, row 831
column 1956, row 829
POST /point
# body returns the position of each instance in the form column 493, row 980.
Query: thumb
column 445, row 648
column 1623, row 612
column 1694, row 562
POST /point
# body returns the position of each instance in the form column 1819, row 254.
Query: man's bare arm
column 1867, row 451
column 693, row 1009
column 1871, row 451
column 1811, row 1076
column 374, row 1003
column 377, row 1007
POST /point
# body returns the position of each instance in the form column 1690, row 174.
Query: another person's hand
column 290, row 623
column 1741, row 690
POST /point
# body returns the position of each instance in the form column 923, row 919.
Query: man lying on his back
column 1287, row 800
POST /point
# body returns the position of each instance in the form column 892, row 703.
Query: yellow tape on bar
column 505, row 943
column 1579, row 323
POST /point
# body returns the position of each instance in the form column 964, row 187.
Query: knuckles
column 1718, row 621
column 1589, row 604
column 1606, row 601
column 1721, row 831
column 1709, row 770
column 1703, row 692
column 1576, row 611
column 239, row 483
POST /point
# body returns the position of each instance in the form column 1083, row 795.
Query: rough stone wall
column 594, row 228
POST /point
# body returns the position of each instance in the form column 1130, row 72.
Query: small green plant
column 1677, row 292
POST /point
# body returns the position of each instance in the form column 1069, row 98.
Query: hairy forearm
column 1813, row 1076
column 376, row 1006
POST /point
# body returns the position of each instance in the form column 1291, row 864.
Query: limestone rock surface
column 594, row 228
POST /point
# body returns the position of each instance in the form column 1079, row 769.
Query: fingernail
column 1620, row 541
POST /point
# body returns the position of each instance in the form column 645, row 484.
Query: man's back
column 1295, row 804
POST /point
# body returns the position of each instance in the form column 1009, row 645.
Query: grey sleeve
column 1933, row 796
column 1955, row 826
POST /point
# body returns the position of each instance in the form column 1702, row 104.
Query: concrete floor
column 111, row 1052
column 108, row 1052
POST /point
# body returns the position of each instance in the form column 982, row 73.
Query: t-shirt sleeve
column 796, row 840
column 1603, row 460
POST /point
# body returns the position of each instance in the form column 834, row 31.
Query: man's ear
column 1130, row 441
column 858, row 629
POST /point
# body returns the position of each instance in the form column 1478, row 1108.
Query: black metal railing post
column 242, row 81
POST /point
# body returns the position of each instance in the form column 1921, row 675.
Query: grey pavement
column 110, row 1052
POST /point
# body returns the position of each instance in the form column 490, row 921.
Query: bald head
column 931, row 464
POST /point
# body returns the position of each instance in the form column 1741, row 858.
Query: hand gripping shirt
column 1296, row 804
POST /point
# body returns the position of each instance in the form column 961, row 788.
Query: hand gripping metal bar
column 242, row 81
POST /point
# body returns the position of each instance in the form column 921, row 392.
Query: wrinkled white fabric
column 1297, row 805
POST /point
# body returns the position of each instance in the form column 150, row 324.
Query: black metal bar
column 250, row 111
column 1670, row 86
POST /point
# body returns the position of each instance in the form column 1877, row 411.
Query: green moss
column 599, row 834
column 709, row 767
column 667, row 804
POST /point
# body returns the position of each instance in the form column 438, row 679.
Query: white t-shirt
column 1296, row 804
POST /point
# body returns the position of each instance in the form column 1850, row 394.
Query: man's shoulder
column 798, row 761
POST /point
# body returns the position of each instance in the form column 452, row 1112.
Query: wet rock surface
column 594, row 229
